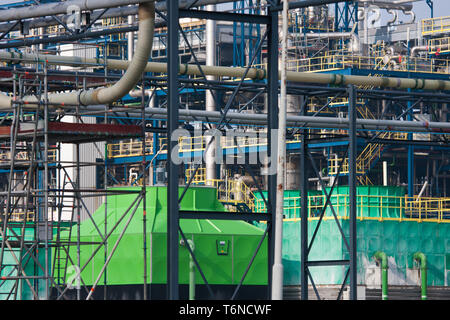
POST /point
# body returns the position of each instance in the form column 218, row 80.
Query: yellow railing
column 23, row 156
column 435, row 25
column 231, row 192
column 442, row 43
column 365, row 158
column 370, row 207
column 130, row 148
column 344, row 61
column 19, row 216
column 199, row 177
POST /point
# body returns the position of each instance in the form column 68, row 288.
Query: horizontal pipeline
column 253, row 73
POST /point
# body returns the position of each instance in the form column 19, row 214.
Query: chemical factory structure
column 217, row 149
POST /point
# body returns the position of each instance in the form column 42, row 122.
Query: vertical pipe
column 272, row 124
column 421, row 258
column 385, row 173
column 130, row 40
column 172, row 124
column 277, row 270
column 352, row 187
column 210, row 103
column 381, row 258
column 144, row 190
column 191, row 271
column 410, row 155
column 105, row 276
column 46, row 186
column 304, row 214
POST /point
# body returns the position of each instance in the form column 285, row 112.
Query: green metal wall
column 30, row 267
column 398, row 239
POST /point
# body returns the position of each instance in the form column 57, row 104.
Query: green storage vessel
column 223, row 249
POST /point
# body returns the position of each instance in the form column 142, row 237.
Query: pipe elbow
column 381, row 257
column 421, row 258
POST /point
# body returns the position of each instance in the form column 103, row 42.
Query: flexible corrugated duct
column 132, row 75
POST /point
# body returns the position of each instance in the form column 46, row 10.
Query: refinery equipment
column 161, row 149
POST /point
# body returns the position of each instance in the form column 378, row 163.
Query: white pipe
column 385, row 173
column 422, row 190
column 62, row 7
column 412, row 14
column 394, row 16
column 124, row 85
column 130, row 39
column 210, row 165
column 277, row 269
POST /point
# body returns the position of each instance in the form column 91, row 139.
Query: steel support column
column 352, row 154
column 172, row 124
column 304, row 212
column 272, row 123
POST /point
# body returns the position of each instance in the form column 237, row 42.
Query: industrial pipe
column 253, row 73
column 381, row 258
column 304, row 121
column 63, row 7
column 132, row 75
column 191, row 271
column 399, row 5
column 421, row 258
column 416, row 49
column 277, row 268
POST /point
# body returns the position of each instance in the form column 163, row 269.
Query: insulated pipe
column 210, row 105
column 277, row 268
column 389, row 5
column 63, row 7
column 133, row 74
column 421, row 258
column 416, row 49
column 306, row 121
column 130, row 40
column 381, row 258
column 253, row 73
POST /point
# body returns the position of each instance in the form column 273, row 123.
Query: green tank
column 223, row 249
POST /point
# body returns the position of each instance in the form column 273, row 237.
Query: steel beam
column 172, row 125
column 272, row 124
column 352, row 154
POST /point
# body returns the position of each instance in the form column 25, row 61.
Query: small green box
column 222, row 247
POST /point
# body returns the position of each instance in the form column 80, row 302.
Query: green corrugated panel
column 126, row 266
column 372, row 201
column 29, row 266
column 292, row 202
column 399, row 240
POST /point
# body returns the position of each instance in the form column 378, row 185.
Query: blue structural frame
column 346, row 16
column 245, row 41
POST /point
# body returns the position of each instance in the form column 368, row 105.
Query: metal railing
column 370, row 207
column 365, row 158
column 230, row 191
column 441, row 44
column 19, row 216
column 23, row 156
column 435, row 25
